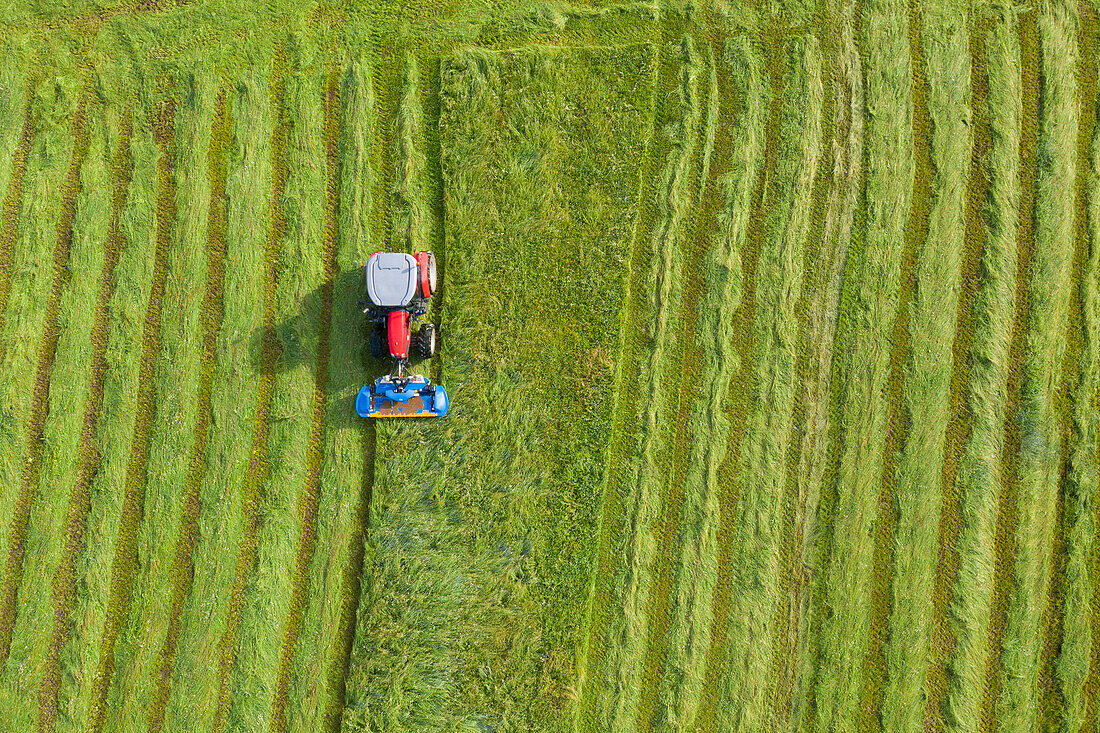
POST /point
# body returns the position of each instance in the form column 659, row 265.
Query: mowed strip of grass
column 755, row 583
column 13, row 120
column 869, row 307
column 918, row 482
column 83, row 626
column 195, row 677
column 141, row 635
column 696, row 574
column 980, row 477
column 481, row 524
column 31, row 274
column 1049, row 291
column 44, row 540
column 299, row 271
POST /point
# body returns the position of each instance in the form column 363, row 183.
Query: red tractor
column 399, row 286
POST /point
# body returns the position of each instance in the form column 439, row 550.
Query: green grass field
column 771, row 331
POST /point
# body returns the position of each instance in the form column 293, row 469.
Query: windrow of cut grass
column 745, row 702
column 696, row 573
column 13, row 125
column 82, row 628
column 1076, row 653
column 195, row 676
column 137, row 649
column 980, row 475
column 408, row 208
column 479, row 540
column 24, row 320
column 869, row 308
column 648, row 468
column 267, row 593
column 1039, row 423
column 44, row 541
column 918, row 482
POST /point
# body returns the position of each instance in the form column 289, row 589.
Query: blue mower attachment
column 402, row 396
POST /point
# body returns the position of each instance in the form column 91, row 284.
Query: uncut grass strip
column 44, row 540
column 83, row 625
column 755, row 583
column 696, row 574
column 871, row 306
column 1040, row 434
column 623, row 664
column 268, row 591
column 918, row 488
column 409, row 212
column 14, row 139
column 176, row 386
column 980, row 474
column 194, row 682
column 1080, row 488
column 40, row 220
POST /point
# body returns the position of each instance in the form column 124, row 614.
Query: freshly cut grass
column 408, row 210
column 697, row 569
column 176, row 386
column 13, row 120
column 299, row 272
column 918, row 482
column 980, row 476
column 44, row 540
column 869, row 308
column 755, row 582
column 32, row 272
column 1039, row 424
column 79, row 657
column 194, row 682
column 479, row 542
column 648, row 469
column 1081, row 481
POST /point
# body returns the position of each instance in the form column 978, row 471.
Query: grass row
column 744, row 704
column 194, row 681
column 980, row 475
column 32, row 272
column 696, row 573
column 299, row 267
column 408, row 208
column 629, row 629
column 869, row 308
column 13, row 123
column 44, row 541
column 140, row 637
column 1039, row 425
column 918, row 482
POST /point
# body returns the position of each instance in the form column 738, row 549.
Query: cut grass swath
column 980, row 471
column 755, row 582
column 697, row 571
column 870, row 304
column 1039, row 425
column 176, row 386
column 13, row 120
column 32, row 260
column 299, row 266
column 918, row 483
column 194, row 682
column 408, row 210
column 133, row 274
column 70, row 383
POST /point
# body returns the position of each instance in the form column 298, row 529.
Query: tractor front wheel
column 426, row 341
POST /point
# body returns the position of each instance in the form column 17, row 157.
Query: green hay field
column 771, row 331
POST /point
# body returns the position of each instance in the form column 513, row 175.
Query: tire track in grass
column 872, row 305
column 980, row 475
column 1040, row 432
column 841, row 207
column 918, row 483
column 16, row 130
column 267, row 593
column 132, row 315
column 28, row 332
column 70, row 394
column 746, row 702
column 194, row 680
column 138, row 650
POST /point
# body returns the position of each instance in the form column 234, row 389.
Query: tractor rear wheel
column 426, row 341
column 377, row 343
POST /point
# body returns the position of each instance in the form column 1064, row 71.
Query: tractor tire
column 377, row 343
column 426, row 341
column 431, row 272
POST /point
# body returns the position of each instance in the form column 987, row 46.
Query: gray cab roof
column 391, row 279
